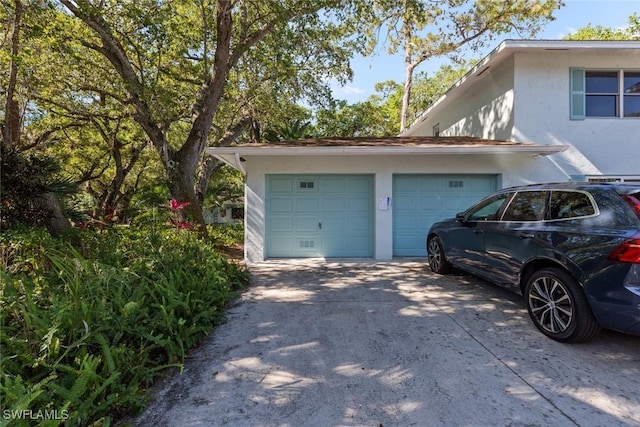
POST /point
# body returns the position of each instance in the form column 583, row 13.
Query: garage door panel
column 430, row 203
column 333, row 204
column 281, row 244
column 407, row 185
column 421, row 200
column 405, row 221
column 457, row 203
column 402, row 203
column 306, row 225
column 358, row 184
column 307, row 244
column 281, row 185
column 332, row 225
column 279, row 205
column 333, row 244
column 306, row 185
column 485, row 186
column 282, row 225
column 359, row 204
column 429, row 184
column 333, row 185
column 362, row 225
column 307, row 205
column 332, row 215
column 404, row 242
column 357, row 245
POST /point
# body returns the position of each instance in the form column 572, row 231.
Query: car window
column 488, row 209
column 570, row 204
column 526, row 206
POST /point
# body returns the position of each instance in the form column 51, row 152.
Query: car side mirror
column 460, row 217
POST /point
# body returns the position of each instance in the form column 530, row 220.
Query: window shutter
column 577, row 104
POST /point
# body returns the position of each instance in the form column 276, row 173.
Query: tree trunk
column 406, row 95
column 208, row 166
column 12, row 125
column 56, row 222
column 408, row 76
column 182, row 189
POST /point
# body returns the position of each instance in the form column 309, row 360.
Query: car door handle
column 527, row 235
column 478, row 231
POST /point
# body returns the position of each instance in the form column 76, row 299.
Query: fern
column 18, row 397
column 87, row 331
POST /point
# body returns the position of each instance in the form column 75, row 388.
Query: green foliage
column 227, row 234
column 24, row 179
column 373, row 117
column 598, row 32
column 379, row 114
column 84, row 331
column 293, row 129
column 424, row 29
column 427, row 89
column 226, row 184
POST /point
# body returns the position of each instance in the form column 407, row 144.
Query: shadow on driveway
column 334, row 343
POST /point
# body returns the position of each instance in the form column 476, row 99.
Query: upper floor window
column 604, row 93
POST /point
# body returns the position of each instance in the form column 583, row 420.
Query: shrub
column 227, row 234
column 84, row 331
column 24, row 179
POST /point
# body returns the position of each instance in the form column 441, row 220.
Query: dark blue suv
column 571, row 249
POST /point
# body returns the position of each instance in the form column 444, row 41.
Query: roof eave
column 538, row 149
column 235, row 156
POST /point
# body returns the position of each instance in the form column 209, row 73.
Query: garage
column 368, row 197
column 321, row 215
column 421, row 200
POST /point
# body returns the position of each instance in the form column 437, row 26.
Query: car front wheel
column 435, row 255
column 558, row 306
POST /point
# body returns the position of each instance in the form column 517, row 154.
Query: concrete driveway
column 332, row 343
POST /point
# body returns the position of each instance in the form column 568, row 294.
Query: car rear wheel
column 558, row 306
column 435, row 255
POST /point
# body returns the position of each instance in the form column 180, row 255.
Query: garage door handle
column 320, row 225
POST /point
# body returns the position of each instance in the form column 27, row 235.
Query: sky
column 574, row 15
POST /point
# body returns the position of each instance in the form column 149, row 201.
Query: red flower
column 176, row 205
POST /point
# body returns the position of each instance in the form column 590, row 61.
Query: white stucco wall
column 513, row 170
column 526, row 99
column 608, row 146
column 484, row 110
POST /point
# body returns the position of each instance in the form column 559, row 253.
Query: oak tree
column 192, row 69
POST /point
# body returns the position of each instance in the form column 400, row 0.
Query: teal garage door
column 319, row 216
column 421, row 200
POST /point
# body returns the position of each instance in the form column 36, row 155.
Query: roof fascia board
column 394, row 150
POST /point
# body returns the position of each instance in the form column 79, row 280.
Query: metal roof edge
column 265, row 150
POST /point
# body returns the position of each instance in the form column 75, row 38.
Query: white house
column 531, row 111
column 229, row 213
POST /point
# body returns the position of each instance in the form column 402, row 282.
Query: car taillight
column 628, row 251
column 634, row 202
